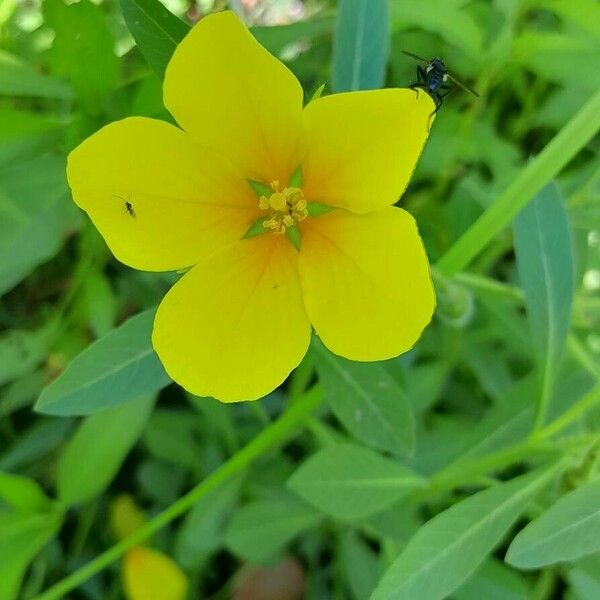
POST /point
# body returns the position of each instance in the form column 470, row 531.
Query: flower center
column 285, row 208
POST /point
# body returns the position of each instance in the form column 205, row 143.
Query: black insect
column 432, row 76
column 127, row 203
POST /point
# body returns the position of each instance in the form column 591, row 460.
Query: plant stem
column 295, row 416
column 481, row 284
column 579, row 408
column 463, row 471
column 544, row 167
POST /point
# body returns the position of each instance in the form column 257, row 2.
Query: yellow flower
column 147, row 574
column 165, row 198
column 152, row 575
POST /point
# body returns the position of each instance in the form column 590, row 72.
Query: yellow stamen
column 286, row 208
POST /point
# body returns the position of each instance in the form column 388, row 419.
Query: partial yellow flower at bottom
column 317, row 185
column 151, row 575
column 147, row 574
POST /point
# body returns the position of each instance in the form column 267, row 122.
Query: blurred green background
column 66, row 69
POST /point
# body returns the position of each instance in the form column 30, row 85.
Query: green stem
column 544, row 167
column 463, row 471
column 470, row 471
column 578, row 350
column 481, row 284
column 541, row 409
column 588, row 401
column 295, row 416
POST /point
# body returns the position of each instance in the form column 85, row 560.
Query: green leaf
column 35, row 443
column 584, row 578
column 449, row 20
column 261, row 529
column 21, row 493
column 155, row 30
column 361, row 45
column 351, row 482
column 558, row 57
column 494, row 581
column 82, row 49
column 568, row 530
column 260, row 189
column 22, row 351
column 94, row 455
column 275, row 38
column 100, row 302
column 22, row 536
column 584, row 13
column 17, row 78
column 23, row 134
column 170, row 436
column 506, row 423
column 361, row 566
column 118, row 367
column 201, row 533
column 545, row 263
column 450, row 547
column 35, row 215
column 366, row 399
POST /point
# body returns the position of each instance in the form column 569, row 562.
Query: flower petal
column 238, row 100
column 235, row 326
column 159, row 203
column 363, row 146
column 366, row 282
column 125, row 516
column 152, row 575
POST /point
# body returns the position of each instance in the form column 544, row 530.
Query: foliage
column 466, row 468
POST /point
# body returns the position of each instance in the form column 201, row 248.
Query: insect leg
column 416, row 86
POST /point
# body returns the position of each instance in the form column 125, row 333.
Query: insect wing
column 462, row 85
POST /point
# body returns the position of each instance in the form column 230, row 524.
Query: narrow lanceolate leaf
column 568, row 530
column 361, row 45
column 352, row 482
column 545, row 264
column 450, row 547
column 118, row 367
column 96, row 452
column 155, row 30
column 366, row 399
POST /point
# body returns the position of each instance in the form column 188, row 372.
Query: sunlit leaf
column 156, row 31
